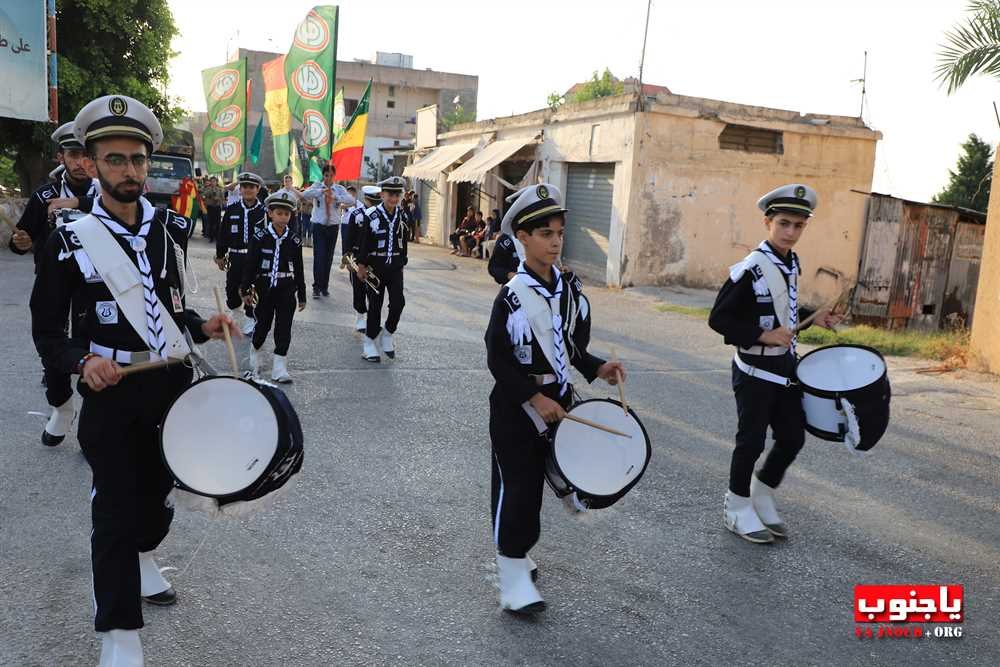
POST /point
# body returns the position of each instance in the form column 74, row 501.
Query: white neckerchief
column 67, row 193
column 155, row 337
column 555, row 306
column 793, row 291
column 246, row 220
column 277, row 251
column 392, row 229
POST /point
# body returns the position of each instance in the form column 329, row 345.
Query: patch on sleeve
column 507, row 243
column 177, row 220
column 258, row 233
column 47, row 193
column 70, row 241
column 513, row 303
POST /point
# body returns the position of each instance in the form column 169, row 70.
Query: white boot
column 517, row 592
column 388, row 344
column 151, row 580
column 762, row 497
column 59, row 422
column 279, row 371
column 369, row 351
column 254, row 362
column 121, row 648
column 248, row 326
column 361, row 323
column 741, row 519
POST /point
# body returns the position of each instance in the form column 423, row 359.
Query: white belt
column 548, row 378
column 765, row 350
column 242, row 251
column 123, row 356
column 755, row 372
column 284, row 274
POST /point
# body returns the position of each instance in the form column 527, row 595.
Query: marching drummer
column 757, row 311
column 239, row 222
column 353, row 230
column 123, row 266
column 539, row 327
column 274, row 272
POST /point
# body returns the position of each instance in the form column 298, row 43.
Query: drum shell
column 870, row 402
column 562, row 486
column 286, row 461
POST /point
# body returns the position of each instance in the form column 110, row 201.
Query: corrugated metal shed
column 919, row 264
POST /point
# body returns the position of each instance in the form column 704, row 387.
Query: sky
column 801, row 55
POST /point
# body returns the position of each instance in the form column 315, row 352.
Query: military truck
column 171, row 163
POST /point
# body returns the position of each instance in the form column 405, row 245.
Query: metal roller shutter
column 589, row 188
column 432, row 217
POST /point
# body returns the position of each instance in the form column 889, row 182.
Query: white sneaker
column 121, row 648
column 279, row 371
column 254, row 362
column 741, row 519
column 361, row 323
column 59, row 423
column 388, row 344
column 369, row 351
column 762, row 497
column 517, row 592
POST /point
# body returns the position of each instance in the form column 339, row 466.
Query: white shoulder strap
column 122, row 277
column 539, row 317
column 775, row 283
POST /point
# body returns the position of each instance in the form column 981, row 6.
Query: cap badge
column 117, row 106
column 542, row 192
column 800, row 192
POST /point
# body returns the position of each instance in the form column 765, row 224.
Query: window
column 350, row 106
column 751, row 139
column 392, row 91
column 390, row 104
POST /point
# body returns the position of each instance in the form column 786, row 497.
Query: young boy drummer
column 540, row 325
column 274, row 270
column 757, row 311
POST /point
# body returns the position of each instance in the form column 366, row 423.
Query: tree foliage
column 456, row 116
column 599, row 85
column 104, row 47
column 972, row 47
column 969, row 185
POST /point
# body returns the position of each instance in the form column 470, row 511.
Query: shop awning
column 430, row 166
column 474, row 171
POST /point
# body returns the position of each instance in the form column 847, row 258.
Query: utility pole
column 642, row 59
column 864, row 82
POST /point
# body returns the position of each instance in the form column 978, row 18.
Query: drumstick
column 599, row 427
column 830, row 306
column 621, row 382
column 147, row 366
column 225, row 332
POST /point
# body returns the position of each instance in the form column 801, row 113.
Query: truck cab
column 168, row 166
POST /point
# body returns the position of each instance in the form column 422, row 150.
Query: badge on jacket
column 523, row 353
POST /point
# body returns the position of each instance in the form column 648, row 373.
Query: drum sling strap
column 122, row 278
column 779, row 293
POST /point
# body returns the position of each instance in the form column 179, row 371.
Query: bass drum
column 599, row 467
column 231, row 439
column 845, row 394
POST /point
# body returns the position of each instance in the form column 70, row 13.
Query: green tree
column 105, row 46
column 555, row 100
column 456, row 116
column 969, row 184
column 604, row 85
column 972, row 47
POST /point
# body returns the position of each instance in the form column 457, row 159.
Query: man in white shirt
column 326, row 226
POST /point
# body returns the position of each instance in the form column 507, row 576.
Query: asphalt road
column 381, row 552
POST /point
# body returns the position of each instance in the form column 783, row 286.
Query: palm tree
column 972, row 47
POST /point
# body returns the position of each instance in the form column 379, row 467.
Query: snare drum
column 599, row 467
column 845, row 394
column 231, row 439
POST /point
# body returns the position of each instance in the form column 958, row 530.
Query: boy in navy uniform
column 757, row 311
column 382, row 249
column 353, row 230
column 134, row 311
column 274, row 270
column 529, row 358
column 239, row 223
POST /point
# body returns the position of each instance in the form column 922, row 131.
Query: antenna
column 642, row 59
column 864, row 82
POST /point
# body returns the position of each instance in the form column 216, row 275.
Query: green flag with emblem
column 310, row 73
column 226, row 99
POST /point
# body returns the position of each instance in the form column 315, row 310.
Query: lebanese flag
column 349, row 150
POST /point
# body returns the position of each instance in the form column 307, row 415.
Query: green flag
column 258, row 139
column 226, row 99
column 310, row 73
column 315, row 171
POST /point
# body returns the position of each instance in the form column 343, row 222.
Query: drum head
column 219, row 436
column 840, row 368
column 595, row 462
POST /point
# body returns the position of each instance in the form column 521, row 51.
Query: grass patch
column 690, row 311
column 951, row 347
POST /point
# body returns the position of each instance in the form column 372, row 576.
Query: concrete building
column 665, row 194
column 398, row 90
column 985, row 345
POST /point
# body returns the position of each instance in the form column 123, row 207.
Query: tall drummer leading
column 757, row 311
column 382, row 249
column 124, row 266
column 274, row 272
column 539, row 327
column 239, row 222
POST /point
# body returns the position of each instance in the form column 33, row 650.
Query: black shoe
column 316, row 293
column 164, row 599
column 534, row 574
column 528, row 610
column 50, row 440
column 326, row 293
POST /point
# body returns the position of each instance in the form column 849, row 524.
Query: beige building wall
column 986, row 322
column 694, row 204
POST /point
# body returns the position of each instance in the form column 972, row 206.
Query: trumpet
column 251, row 294
column 371, row 279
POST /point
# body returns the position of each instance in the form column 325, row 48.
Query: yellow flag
column 296, row 170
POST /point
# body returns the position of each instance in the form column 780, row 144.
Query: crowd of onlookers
column 473, row 236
